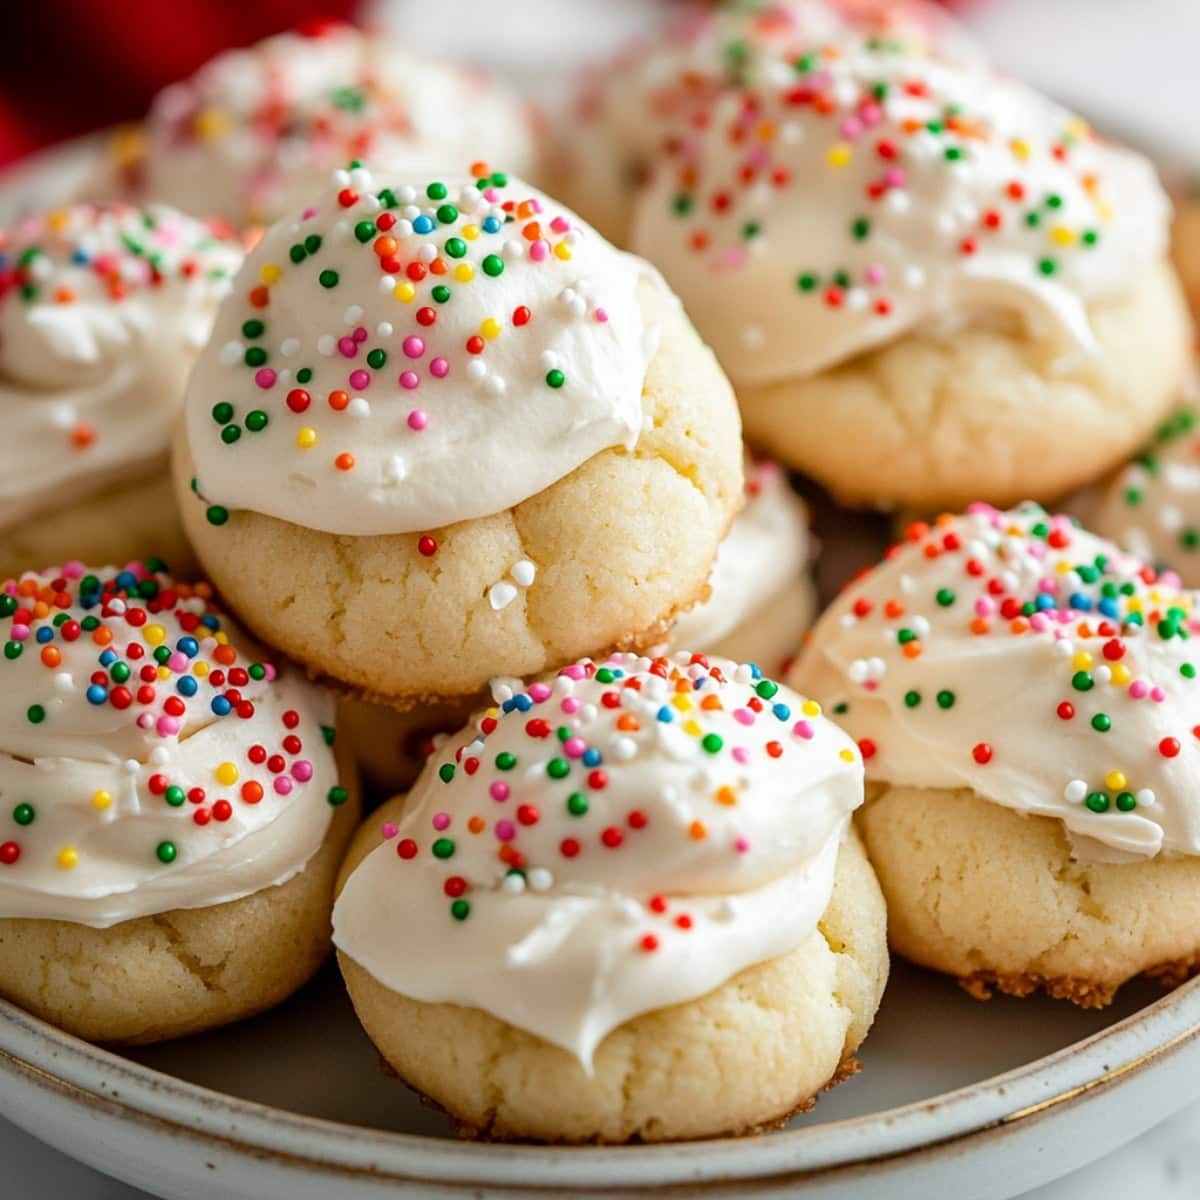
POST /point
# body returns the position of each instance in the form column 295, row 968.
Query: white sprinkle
column 539, row 879
column 523, row 572
column 289, row 347
column 131, row 766
column 358, row 407
column 394, row 470
column 406, row 194
column 501, row 595
column 326, row 345
column 353, row 314
column 341, row 177
column 360, row 177
column 496, row 385
column 513, row 885
column 387, row 284
column 63, row 682
column 231, row 353
column 624, row 748
column 1075, row 791
column 341, row 231
column 402, row 228
column 476, row 369
column 159, row 756
column 384, row 329
column 1145, row 797
column 914, row 276
column 857, row 299
column 548, row 360
column 427, row 253
column 1102, row 674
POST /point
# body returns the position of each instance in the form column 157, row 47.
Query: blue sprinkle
column 781, row 711
column 211, row 621
column 187, row 686
column 1109, row 607
column 188, row 646
column 126, row 579
column 755, row 670
column 45, row 634
column 108, row 658
column 97, row 693
column 509, row 705
column 423, row 224
column 592, row 757
column 79, row 256
column 665, row 715
column 1081, row 602
column 221, row 706
column 523, row 702
column 490, row 225
column 1043, row 600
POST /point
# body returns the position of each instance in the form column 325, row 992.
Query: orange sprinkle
column 712, row 702
column 697, row 831
column 980, row 625
column 532, row 231
column 476, row 825
column 225, row 654
column 911, row 650
column 893, row 608
column 338, row 400
column 628, row 723
column 82, row 435
column 102, row 635
column 51, row 656
column 260, row 297
column 1019, row 625
column 725, row 795
column 344, row 462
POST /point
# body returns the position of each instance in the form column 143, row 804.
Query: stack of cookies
column 458, row 498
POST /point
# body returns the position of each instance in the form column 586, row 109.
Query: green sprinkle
column 364, row 231
column 577, row 804
column 456, row 247
column 256, row 421
column 222, row 413
column 253, row 328
column 1187, row 670
column 217, row 514
column 256, row 671
column 8, row 604
column 13, row 649
column 555, row 378
column 120, row 672
column 312, row 243
column 328, row 279
column 1101, row 723
column 912, row 699
column 36, row 714
column 304, row 375
column 446, row 772
column 337, row 796
column 166, row 851
column 443, row 848
column 174, row 796
column 297, row 253
column 505, row 761
column 712, row 742
column 1097, row 802
column 1082, row 681
column 682, row 204
column 23, row 814
column 230, row 434
column 807, row 282
column 441, row 293
column 329, row 734
column 493, row 265
column 945, row 699
column 376, row 359
column 1126, row 801
column 447, row 214
column 1047, row 266
column 436, row 191
column 945, row 597
column 460, row 910
column 604, row 675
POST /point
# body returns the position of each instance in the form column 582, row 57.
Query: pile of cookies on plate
column 354, row 451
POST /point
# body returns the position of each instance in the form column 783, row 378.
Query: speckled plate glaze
column 957, row 1098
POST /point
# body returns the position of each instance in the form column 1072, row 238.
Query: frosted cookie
column 102, row 314
column 761, row 600
column 1026, row 701
column 255, row 132
column 626, row 907
column 173, row 815
column 656, row 94
column 905, row 263
column 1152, row 506
column 448, row 432
column 1185, row 243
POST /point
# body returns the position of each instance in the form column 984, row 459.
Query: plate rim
column 91, row 1076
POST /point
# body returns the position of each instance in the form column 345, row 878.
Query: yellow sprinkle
column 1077, row 127
column 1063, row 568
column 210, row 123
column 221, row 637
column 200, row 669
column 164, row 672
column 1120, row 674
column 464, row 272
column 1105, row 210
column 693, row 728
column 270, row 273
column 154, row 634
column 1115, row 780
column 470, row 232
column 1134, row 603
column 1082, row 660
column 846, row 754
column 1062, row 235
column 726, row 795
column 490, row 328
column 57, row 219
column 563, row 251
column 766, row 131
column 681, row 702
column 839, row 155
column 226, row 774
column 306, row 438
column 404, row 292
column 68, row 856
column 810, row 708
column 101, row 799
column 1020, row 148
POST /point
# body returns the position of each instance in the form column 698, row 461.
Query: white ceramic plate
column 975, row 1101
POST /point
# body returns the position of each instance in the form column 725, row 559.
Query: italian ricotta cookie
column 632, row 111
column 1025, row 697
column 1152, row 506
column 629, row 907
column 255, row 132
column 173, row 814
column 906, row 262
column 102, row 313
column 445, row 433
column 761, row 600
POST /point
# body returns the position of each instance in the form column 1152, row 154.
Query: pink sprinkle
column 283, row 785
column 308, row 213
column 499, row 791
column 574, row 747
column 601, row 315
column 538, row 250
column 740, row 755
column 851, row 128
column 302, row 770
column 73, row 569
column 1039, row 622
column 410, row 380
column 871, row 114
column 269, row 671
column 802, row 729
column 574, row 671
column 505, row 831
column 570, row 705
column 439, row 368
column 166, row 726
column 441, row 821
column 560, row 224
column 347, row 347
column 178, row 662
column 360, row 379
column 360, row 334
column 743, row 716
column 984, row 607
column 1157, row 694
column 19, row 633
column 413, row 346
column 389, row 830
column 491, row 194
column 265, row 377
column 894, row 177
column 418, row 418
column 145, row 721
column 539, row 692
column 874, row 273
column 1138, row 690
column 741, row 844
